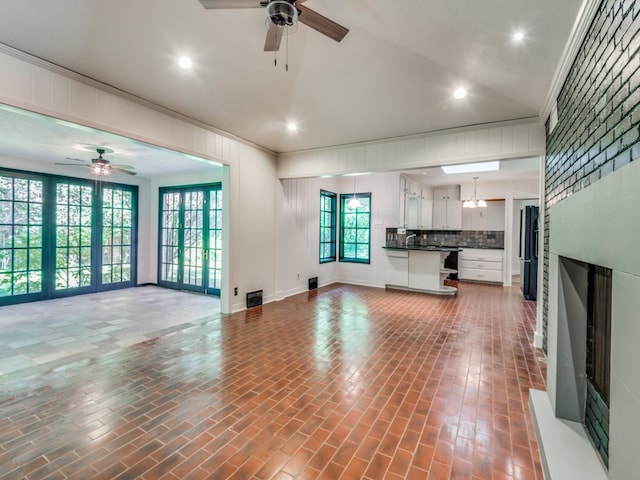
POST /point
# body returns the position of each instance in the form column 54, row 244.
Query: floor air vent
column 254, row 299
column 313, row 283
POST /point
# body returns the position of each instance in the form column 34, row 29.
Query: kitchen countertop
column 441, row 249
column 427, row 249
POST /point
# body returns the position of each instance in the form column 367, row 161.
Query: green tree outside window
column 355, row 229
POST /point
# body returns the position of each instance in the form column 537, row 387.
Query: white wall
column 501, row 189
column 498, row 141
column 599, row 225
column 298, row 224
column 249, row 241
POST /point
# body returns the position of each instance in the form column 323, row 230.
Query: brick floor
column 343, row 382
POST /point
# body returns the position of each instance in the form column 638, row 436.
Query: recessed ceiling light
column 292, row 127
column 459, row 93
column 472, row 167
column 185, row 62
column 518, row 36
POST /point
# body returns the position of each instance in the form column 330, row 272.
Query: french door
column 63, row 236
column 190, row 250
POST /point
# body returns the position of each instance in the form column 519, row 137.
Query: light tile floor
column 37, row 336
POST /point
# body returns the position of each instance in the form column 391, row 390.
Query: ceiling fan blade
column 274, row 35
column 126, row 167
column 73, row 164
column 216, row 4
column 322, row 24
column 121, row 170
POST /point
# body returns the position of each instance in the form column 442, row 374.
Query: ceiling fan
column 281, row 14
column 101, row 166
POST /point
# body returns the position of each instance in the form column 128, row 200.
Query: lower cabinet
column 482, row 265
column 418, row 270
column 397, row 268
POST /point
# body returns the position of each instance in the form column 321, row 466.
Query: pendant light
column 474, row 202
column 354, row 203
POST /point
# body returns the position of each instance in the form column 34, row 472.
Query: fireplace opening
column 598, row 361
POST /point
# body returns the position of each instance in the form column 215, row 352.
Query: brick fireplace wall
column 598, row 128
column 592, row 175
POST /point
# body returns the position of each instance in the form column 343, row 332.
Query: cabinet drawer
column 481, row 275
column 481, row 257
column 482, row 264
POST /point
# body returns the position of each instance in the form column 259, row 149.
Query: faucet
column 406, row 240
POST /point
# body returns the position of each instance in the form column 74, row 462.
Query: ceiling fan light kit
column 281, row 14
column 101, row 167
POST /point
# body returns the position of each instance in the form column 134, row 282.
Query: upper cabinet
column 447, row 193
column 415, row 204
column 425, row 221
column 447, row 208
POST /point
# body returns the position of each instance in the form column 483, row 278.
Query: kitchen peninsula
column 419, row 268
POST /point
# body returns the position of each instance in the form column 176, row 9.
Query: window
column 64, row 236
column 117, row 235
column 20, row 235
column 190, row 240
column 355, row 229
column 74, row 208
column 328, row 216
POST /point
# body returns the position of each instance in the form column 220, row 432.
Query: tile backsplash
column 447, row 238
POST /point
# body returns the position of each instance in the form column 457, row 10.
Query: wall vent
column 254, row 299
column 313, row 283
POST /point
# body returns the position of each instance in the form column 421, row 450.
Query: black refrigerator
column 529, row 252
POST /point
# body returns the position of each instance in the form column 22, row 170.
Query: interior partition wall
column 190, row 238
column 62, row 236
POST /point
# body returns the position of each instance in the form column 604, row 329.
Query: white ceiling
column 519, row 169
column 38, row 137
column 392, row 75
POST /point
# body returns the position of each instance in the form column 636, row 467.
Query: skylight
column 472, row 167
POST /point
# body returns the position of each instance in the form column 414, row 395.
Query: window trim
column 343, row 199
column 333, row 227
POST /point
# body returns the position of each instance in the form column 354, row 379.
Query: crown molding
column 579, row 31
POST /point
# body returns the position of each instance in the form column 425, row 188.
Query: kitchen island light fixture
column 474, row 202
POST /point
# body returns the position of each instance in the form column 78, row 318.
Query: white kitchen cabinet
column 397, row 268
column 447, row 215
column 420, row 270
column 447, row 193
column 426, row 211
column 427, row 272
column 481, row 265
column 447, row 208
column 410, row 203
column 413, row 212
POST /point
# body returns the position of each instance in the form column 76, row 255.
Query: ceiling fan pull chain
column 286, row 65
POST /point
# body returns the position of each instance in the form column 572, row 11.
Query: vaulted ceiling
column 392, row 75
